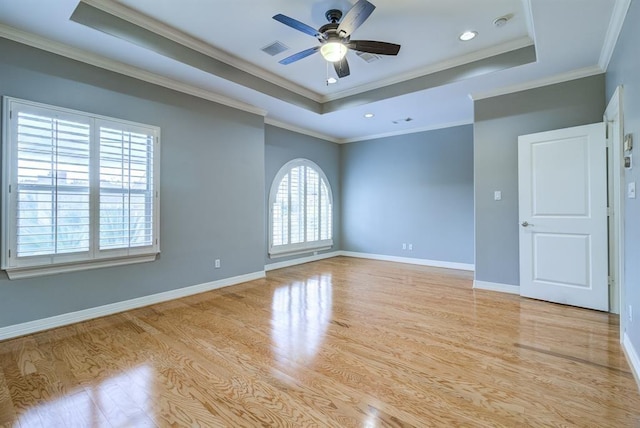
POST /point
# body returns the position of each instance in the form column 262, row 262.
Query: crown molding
column 86, row 57
column 299, row 130
column 558, row 78
column 441, row 66
column 620, row 9
column 406, row 131
column 144, row 21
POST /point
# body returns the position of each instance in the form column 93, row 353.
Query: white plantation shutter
column 80, row 189
column 126, row 188
column 296, row 195
column 280, row 213
column 300, row 210
column 312, row 185
column 325, row 212
column 52, row 185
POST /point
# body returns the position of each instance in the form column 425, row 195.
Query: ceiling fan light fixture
column 333, row 51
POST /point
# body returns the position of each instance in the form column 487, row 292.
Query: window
column 300, row 214
column 80, row 191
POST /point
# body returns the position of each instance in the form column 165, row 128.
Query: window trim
column 94, row 257
column 302, row 247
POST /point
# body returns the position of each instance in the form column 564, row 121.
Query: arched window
column 300, row 210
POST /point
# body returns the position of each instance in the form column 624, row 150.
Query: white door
column 562, row 184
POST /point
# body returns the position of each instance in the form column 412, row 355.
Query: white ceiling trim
column 616, row 22
column 558, row 78
column 406, row 131
column 293, row 128
column 528, row 15
column 177, row 36
column 441, row 66
column 62, row 49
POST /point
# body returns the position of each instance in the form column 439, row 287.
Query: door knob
column 526, row 224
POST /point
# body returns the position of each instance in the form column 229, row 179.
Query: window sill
column 34, row 271
column 296, row 249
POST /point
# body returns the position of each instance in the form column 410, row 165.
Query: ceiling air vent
column 406, row 119
column 275, row 48
column 368, row 57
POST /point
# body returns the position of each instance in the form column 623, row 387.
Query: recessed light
column 468, row 35
column 331, row 80
column 369, row 115
column 502, row 20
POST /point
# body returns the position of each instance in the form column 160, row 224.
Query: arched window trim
column 305, row 246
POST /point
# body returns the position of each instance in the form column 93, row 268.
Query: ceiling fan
column 335, row 37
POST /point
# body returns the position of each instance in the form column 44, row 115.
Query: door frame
column 613, row 117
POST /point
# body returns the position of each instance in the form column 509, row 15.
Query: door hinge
column 609, row 211
column 9, row 253
column 9, row 188
column 611, row 281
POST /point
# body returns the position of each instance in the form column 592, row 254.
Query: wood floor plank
column 338, row 343
column 7, row 412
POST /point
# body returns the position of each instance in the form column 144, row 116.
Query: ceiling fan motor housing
column 329, row 32
column 333, row 15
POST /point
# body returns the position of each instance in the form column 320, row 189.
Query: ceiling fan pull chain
column 326, row 81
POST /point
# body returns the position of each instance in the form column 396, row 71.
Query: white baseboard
column 114, row 308
column 301, row 260
column 412, row 261
column 632, row 357
column 496, row 286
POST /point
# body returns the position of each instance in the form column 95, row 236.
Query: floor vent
column 275, row 48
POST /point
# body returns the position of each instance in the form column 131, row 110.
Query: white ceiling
column 572, row 38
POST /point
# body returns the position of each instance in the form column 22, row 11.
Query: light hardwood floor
column 338, row 343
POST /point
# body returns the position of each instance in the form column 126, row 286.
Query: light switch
column 497, row 195
column 631, row 190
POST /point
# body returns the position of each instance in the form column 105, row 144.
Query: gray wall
column 212, row 185
column 415, row 188
column 282, row 146
column 498, row 123
column 624, row 69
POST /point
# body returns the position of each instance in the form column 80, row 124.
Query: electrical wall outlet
column 404, row 246
column 410, row 247
column 217, row 263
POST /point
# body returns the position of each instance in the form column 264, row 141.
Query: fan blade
column 355, row 17
column 342, row 67
column 297, row 25
column 371, row 46
column 302, row 54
